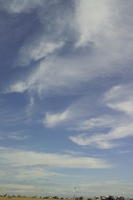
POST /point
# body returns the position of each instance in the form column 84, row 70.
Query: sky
column 66, row 97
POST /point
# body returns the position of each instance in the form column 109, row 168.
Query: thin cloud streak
column 23, row 158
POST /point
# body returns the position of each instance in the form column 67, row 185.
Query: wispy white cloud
column 16, row 135
column 124, row 151
column 30, row 173
column 21, row 5
column 100, row 27
column 17, row 87
column 104, row 141
column 37, row 50
column 34, row 173
column 120, row 98
column 98, row 141
column 97, row 22
column 116, row 126
column 15, row 186
column 91, row 18
column 52, row 120
column 16, row 158
column 125, row 106
column 62, row 75
column 105, row 121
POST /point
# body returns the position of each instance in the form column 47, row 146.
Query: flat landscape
column 18, row 198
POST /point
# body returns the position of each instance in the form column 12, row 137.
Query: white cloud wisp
column 16, row 158
column 119, row 125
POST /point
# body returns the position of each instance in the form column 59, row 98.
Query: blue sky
column 66, row 100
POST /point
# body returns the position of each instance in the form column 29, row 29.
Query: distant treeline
column 61, row 198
